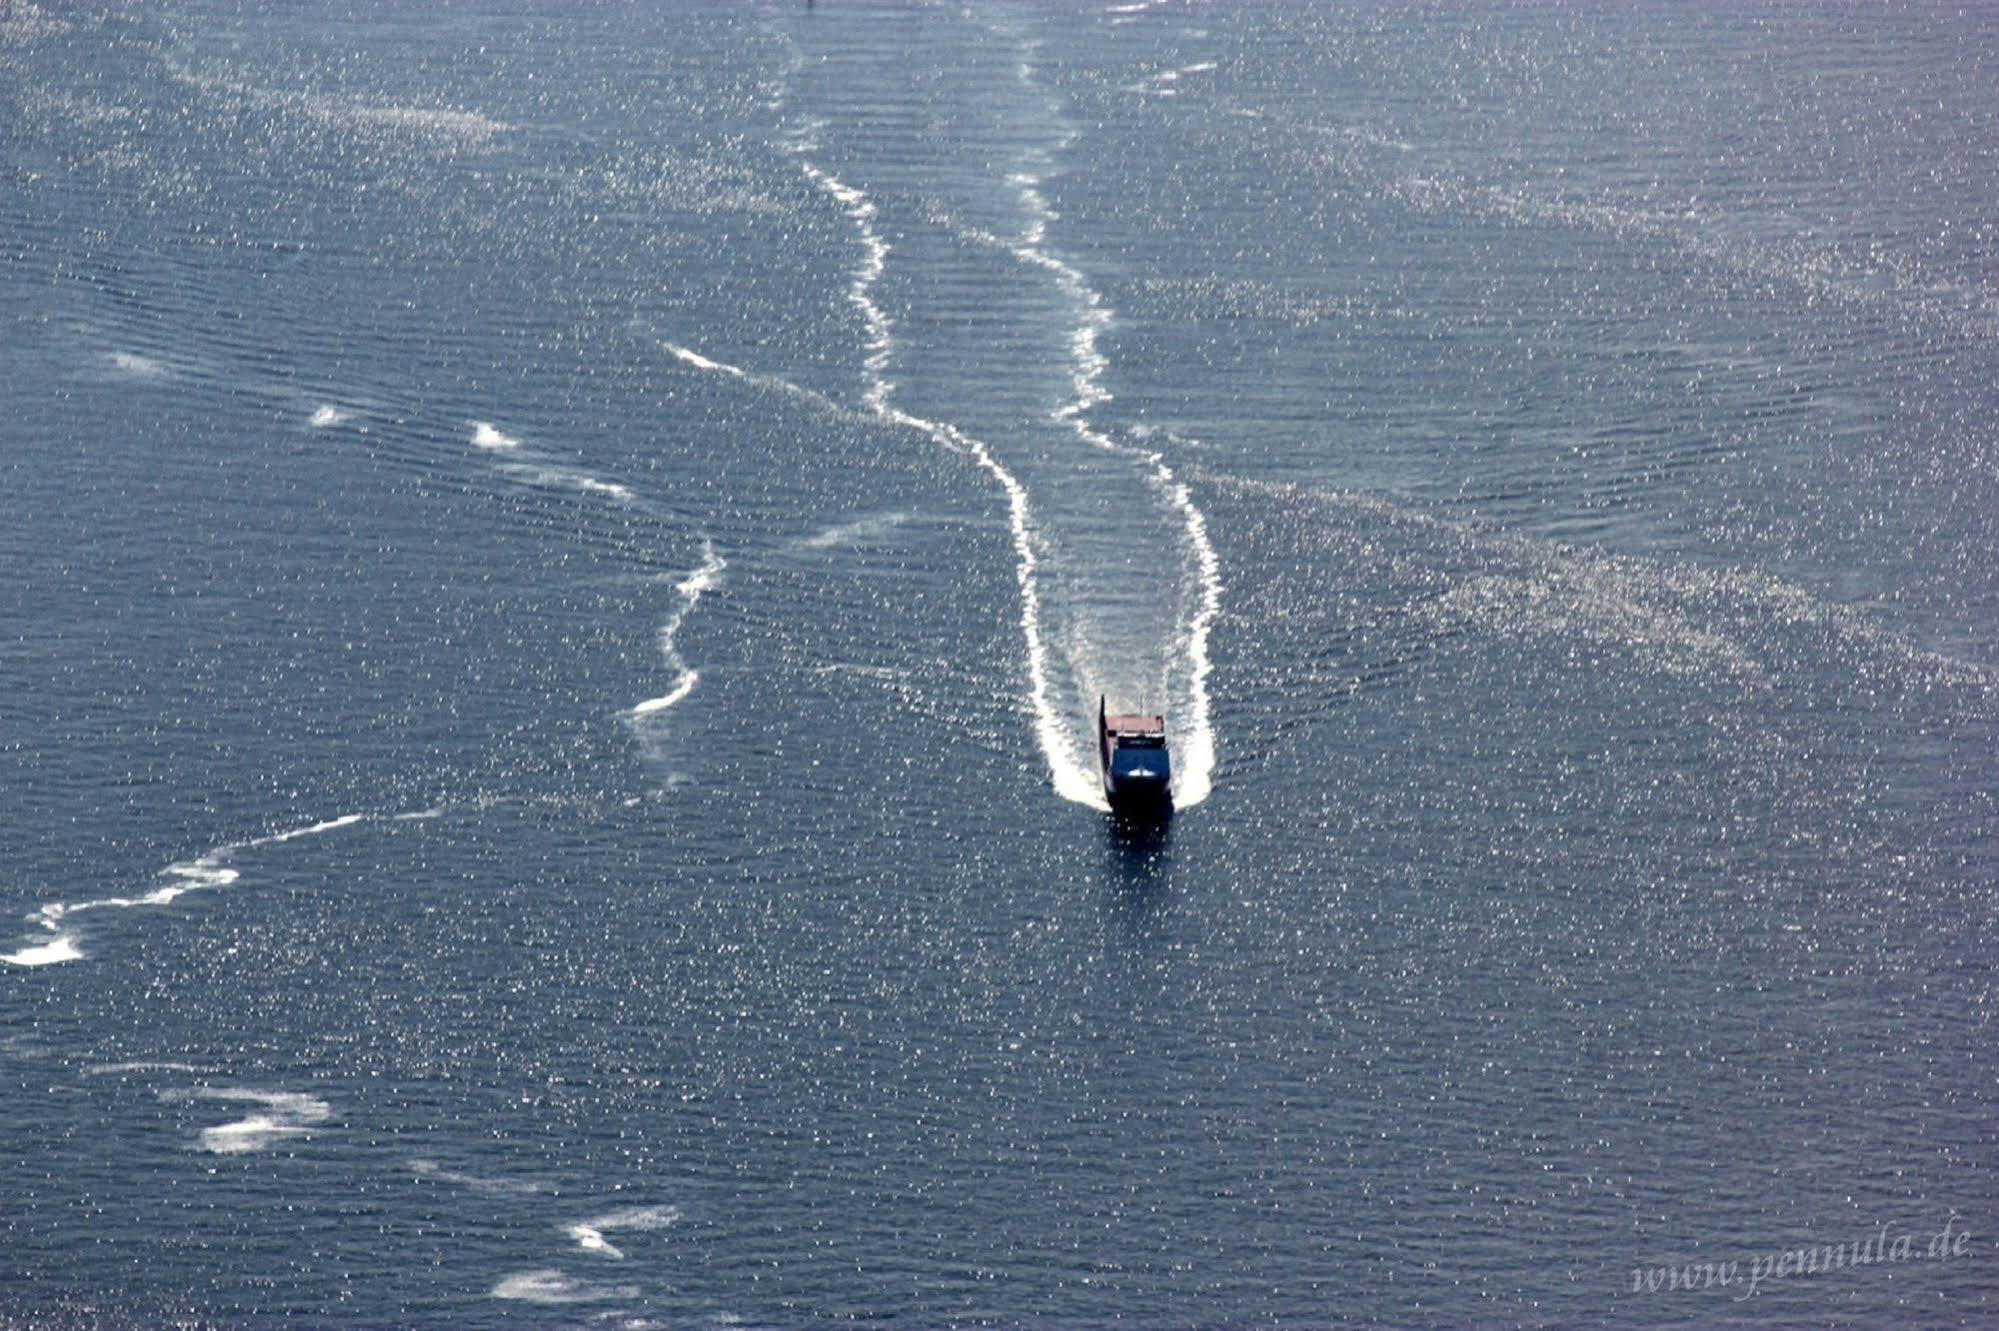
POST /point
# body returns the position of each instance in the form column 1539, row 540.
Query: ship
column 1138, row 770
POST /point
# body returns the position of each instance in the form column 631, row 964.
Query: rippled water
column 562, row 558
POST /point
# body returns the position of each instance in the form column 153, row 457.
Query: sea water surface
column 560, row 559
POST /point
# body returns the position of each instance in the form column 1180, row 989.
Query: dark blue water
column 560, row 559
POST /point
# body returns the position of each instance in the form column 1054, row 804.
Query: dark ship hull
column 1138, row 769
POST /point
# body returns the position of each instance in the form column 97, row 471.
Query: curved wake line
column 204, row 872
column 691, row 588
column 1069, row 777
column 1197, row 768
column 776, row 383
column 1067, row 773
column 1194, row 774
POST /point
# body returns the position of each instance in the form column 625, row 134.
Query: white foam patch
column 487, row 435
column 569, row 478
column 23, row 23
column 1166, row 82
column 589, row 1235
column 138, row 1065
column 447, row 128
column 673, row 697
column 691, row 588
column 591, row 1239
column 139, row 367
column 701, row 362
column 552, row 1286
column 1067, row 773
column 441, row 122
column 326, row 416
column 431, row 1169
column 281, row 1115
column 858, row 531
column 533, row 470
column 310, row 829
column 59, row 949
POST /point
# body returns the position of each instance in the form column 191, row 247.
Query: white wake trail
column 1195, row 751
column 1067, row 773
column 1071, row 779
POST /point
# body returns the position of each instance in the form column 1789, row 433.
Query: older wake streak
column 1068, row 774
column 204, row 872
